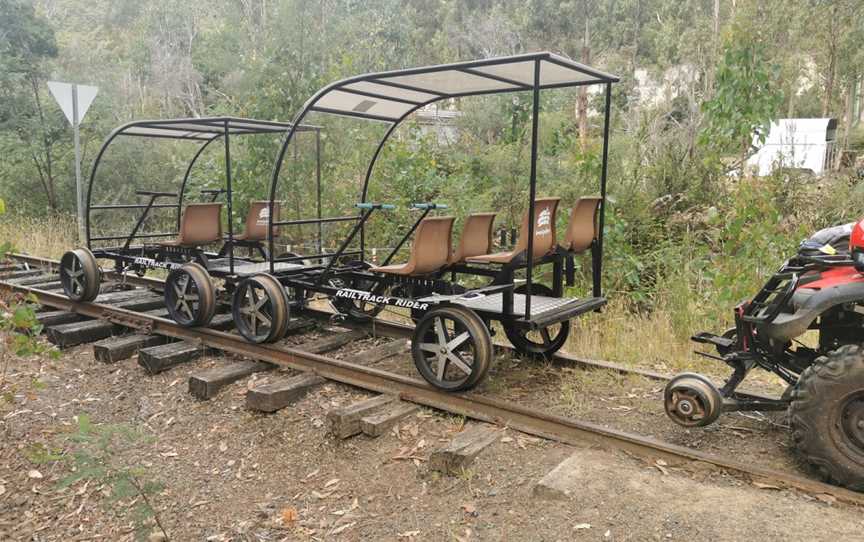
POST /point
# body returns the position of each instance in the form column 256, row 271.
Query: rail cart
column 451, row 345
column 190, row 296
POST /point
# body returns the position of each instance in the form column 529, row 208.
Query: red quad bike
column 820, row 289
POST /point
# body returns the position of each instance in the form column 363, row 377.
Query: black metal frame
column 206, row 130
column 747, row 350
column 587, row 76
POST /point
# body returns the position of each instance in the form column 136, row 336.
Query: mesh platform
column 244, row 268
column 495, row 303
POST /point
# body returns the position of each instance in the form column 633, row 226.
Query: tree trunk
column 847, row 122
column 715, row 44
column 582, row 100
column 48, row 183
column 832, row 64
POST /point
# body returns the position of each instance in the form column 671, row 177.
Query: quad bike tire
column 827, row 416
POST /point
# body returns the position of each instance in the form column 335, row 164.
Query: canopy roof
column 204, row 129
column 390, row 96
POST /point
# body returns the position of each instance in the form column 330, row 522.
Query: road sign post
column 67, row 96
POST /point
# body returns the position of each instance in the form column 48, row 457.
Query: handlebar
column 385, row 206
column 213, row 190
column 155, row 194
column 429, row 206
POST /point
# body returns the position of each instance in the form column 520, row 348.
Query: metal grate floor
column 243, row 269
column 495, row 303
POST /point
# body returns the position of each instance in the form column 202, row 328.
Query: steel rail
column 391, row 329
column 397, row 330
column 535, row 422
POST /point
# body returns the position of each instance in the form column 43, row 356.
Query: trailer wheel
column 189, row 296
column 80, row 275
column 451, row 348
column 827, row 415
column 544, row 342
column 260, row 309
column 692, row 400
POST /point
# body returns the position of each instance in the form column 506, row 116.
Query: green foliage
column 95, row 457
column 747, row 97
column 18, row 320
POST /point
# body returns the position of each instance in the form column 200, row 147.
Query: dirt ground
column 230, row 474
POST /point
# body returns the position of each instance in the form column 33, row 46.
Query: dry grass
column 643, row 340
column 49, row 236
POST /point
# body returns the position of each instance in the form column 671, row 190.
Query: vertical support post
column 532, row 188
column 597, row 256
column 230, row 198
column 79, row 193
column 318, row 183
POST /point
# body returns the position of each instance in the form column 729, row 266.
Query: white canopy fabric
column 204, row 129
column 389, row 96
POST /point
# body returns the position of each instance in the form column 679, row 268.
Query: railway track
column 530, row 421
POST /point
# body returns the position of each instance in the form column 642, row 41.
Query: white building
column 807, row 144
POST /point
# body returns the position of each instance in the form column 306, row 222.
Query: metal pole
column 230, row 199
column 597, row 278
column 318, row 182
column 532, row 190
column 79, row 194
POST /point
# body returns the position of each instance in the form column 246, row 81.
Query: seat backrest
column 257, row 219
column 583, row 227
column 545, row 210
column 476, row 237
column 430, row 250
column 201, row 224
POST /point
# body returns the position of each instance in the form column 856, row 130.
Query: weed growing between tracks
column 20, row 338
column 93, row 457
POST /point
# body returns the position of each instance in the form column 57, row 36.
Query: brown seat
column 430, row 250
column 544, row 234
column 256, row 221
column 476, row 237
column 201, row 224
column 583, row 227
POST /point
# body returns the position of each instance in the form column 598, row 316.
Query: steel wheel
column 80, row 275
column 691, row 400
column 189, row 296
column 541, row 343
column 260, row 309
column 452, row 348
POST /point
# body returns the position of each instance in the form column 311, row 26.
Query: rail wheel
column 80, row 275
column 357, row 310
column 827, row 416
column 692, row 400
column 541, row 343
column 189, row 295
column 452, row 348
column 260, row 309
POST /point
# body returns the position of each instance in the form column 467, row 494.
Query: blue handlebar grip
column 370, row 205
column 441, row 206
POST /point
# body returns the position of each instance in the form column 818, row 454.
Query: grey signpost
column 75, row 100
